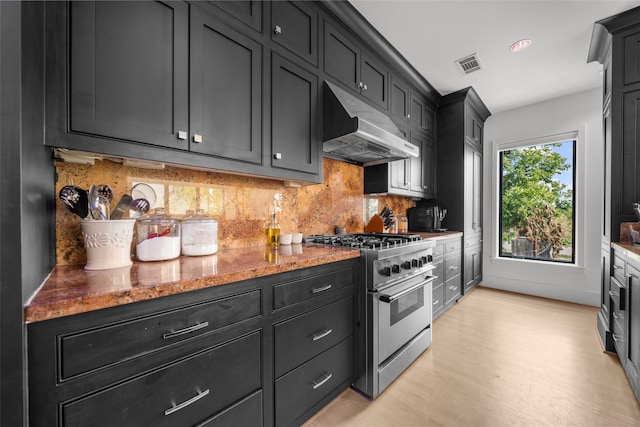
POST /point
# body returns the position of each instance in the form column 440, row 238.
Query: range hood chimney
column 358, row 133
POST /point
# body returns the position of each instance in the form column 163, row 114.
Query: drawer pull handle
column 616, row 338
column 185, row 330
column 186, row 403
column 435, row 302
column 453, row 267
column 613, row 294
column 453, row 288
column 324, row 379
column 322, row 334
column 618, row 316
column 616, row 267
column 322, row 289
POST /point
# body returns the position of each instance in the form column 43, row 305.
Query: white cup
column 285, row 239
column 296, row 238
column 107, row 243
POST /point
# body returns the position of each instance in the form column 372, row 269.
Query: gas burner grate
column 364, row 240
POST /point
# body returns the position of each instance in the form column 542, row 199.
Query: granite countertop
column 71, row 289
column 632, row 250
column 438, row 234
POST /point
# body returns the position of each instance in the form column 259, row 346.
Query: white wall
column 578, row 283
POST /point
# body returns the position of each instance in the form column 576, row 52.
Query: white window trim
column 579, row 194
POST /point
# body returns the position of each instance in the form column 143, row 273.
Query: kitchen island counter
column 71, row 289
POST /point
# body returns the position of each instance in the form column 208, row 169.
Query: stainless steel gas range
column 394, row 303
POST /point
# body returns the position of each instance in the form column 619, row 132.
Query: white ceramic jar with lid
column 199, row 235
column 158, row 236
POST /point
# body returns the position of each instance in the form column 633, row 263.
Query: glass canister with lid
column 199, row 234
column 158, row 236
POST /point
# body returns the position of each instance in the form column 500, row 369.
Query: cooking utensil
column 76, row 198
column 121, row 207
column 105, row 192
column 144, row 191
column 96, row 206
column 138, row 207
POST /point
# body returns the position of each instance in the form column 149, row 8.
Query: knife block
column 375, row 225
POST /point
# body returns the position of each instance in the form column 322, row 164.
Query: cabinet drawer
column 617, row 294
column 618, row 268
column 438, row 250
column 452, row 246
column 183, row 393
column 303, row 337
column 452, row 267
column 306, row 385
column 452, row 289
column 438, row 298
column 247, row 412
column 309, row 287
column 438, row 272
column 88, row 350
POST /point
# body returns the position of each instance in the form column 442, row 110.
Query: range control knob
column 416, row 262
column 386, row 271
column 406, row 265
column 424, row 259
column 395, row 268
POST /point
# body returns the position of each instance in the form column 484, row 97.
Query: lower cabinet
column 447, row 287
column 267, row 351
column 624, row 306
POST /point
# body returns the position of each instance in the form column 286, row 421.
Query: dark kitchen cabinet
column 624, row 305
column 422, row 115
column 144, row 80
column 225, row 96
column 234, row 354
column 345, row 61
column 447, row 286
column 399, row 95
column 614, row 44
column 128, row 76
column 158, row 362
column 294, row 117
column 460, row 124
column 294, row 26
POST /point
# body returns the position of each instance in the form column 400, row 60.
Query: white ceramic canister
column 107, row 243
column 199, row 235
column 158, row 237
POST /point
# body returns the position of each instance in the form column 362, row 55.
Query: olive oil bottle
column 273, row 231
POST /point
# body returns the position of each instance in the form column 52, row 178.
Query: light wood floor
column 501, row 359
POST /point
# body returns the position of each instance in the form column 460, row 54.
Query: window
column 537, row 201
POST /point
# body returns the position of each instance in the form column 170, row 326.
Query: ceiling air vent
column 469, row 64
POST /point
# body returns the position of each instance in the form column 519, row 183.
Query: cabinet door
column 399, row 103
column 129, row 71
column 341, row 58
column 294, row 26
column 226, row 96
column 633, row 325
column 294, row 117
column 247, row 12
column 474, row 128
column 429, row 165
column 472, row 266
column 399, row 174
column 472, row 190
column 416, row 166
column 375, row 82
column 630, row 158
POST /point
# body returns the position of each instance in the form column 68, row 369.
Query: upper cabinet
column 128, row 76
column 225, row 96
column 351, row 66
column 145, row 80
column 294, row 26
column 294, row 124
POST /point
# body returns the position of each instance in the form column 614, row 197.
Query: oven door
column 404, row 310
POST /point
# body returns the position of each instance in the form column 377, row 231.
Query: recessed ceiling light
column 520, row 45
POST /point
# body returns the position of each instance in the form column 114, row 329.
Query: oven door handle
column 390, row 298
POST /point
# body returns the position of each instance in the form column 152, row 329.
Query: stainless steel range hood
column 357, row 132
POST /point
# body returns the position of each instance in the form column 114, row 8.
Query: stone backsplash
column 241, row 204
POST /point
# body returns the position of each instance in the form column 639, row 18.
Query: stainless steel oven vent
column 469, row 64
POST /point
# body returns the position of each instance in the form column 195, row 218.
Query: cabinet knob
column 277, row 29
column 182, row 134
column 277, row 156
column 425, row 187
column 362, row 86
column 197, row 137
column 408, row 116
